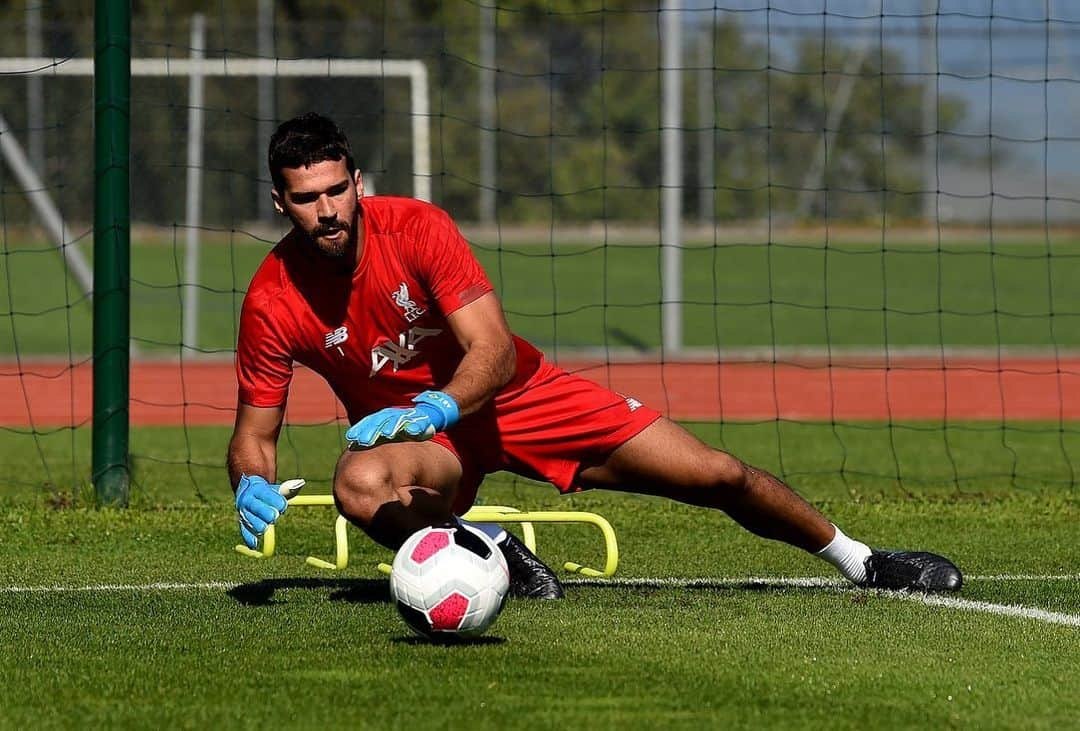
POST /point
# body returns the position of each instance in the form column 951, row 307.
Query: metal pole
column 112, row 250
column 267, row 102
column 929, row 53
column 193, row 208
column 421, row 130
column 488, row 172
column 706, row 128
column 43, row 206
column 671, row 174
column 35, row 92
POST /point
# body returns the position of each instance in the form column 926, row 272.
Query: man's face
column 322, row 201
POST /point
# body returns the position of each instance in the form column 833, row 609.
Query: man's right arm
column 252, row 469
column 253, row 447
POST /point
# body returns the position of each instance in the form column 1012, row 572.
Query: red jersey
column 378, row 334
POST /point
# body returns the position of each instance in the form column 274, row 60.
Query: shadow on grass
column 358, row 591
column 377, row 591
column 450, row 642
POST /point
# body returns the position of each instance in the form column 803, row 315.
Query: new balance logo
column 409, row 308
column 402, row 352
column 336, row 337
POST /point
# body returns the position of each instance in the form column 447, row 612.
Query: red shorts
column 550, row 428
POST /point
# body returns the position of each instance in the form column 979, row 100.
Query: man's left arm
column 490, row 359
column 489, row 363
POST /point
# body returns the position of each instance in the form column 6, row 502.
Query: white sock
column 494, row 531
column 847, row 556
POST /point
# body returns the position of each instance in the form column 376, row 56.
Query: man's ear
column 359, row 180
column 279, row 205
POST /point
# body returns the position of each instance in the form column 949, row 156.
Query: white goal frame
column 197, row 68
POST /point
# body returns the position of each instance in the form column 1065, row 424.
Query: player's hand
column 435, row 411
column 259, row 504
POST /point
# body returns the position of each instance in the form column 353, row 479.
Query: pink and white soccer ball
column 449, row 581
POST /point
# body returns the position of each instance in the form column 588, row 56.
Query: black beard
column 347, row 247
column 334, row 252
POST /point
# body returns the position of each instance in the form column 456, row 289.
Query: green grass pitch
column 245, row 643
column 280, row 644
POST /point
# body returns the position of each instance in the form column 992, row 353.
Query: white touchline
column 823, row 582
column 158, row 586
column 1025, row 577
column 792, row 581
column 1009, row 610
column 723, row 582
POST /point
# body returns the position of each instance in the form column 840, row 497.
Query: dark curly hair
column 305, row 140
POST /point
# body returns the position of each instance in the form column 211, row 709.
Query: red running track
column 50, row 394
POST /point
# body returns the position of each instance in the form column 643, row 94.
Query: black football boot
column 913, row 570
column 529, row 576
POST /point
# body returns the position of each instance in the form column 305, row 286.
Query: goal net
column 837, row 239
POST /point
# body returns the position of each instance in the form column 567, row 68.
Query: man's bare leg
column 667, row 460
column 393, row 490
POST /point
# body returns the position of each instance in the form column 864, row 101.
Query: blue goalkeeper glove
column 435, row 411
column 259, row 504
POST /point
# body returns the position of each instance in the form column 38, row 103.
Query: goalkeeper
column 383, row 298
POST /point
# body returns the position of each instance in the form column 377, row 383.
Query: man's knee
column 727, row 473
column 362, row 486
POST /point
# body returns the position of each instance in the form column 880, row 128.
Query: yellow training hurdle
column 478, row 514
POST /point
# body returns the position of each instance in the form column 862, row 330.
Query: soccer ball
column 449, row 581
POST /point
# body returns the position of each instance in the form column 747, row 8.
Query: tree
column 578, row 110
